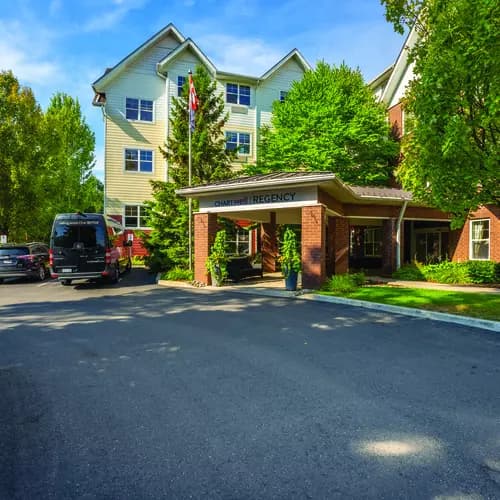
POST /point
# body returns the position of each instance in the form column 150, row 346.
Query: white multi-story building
column 136, row 97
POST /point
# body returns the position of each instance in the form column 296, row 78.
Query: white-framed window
column 238, row 94
column 135, row 216
column 479, row 239
column 238, row 141
column 283, row 94
column 238, row 241
column 139, row 160
column 372, row 241
column 181, row 80
column 139, row 109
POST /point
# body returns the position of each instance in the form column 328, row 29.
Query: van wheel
column 42, row 273
column 1, row 281
column 65, row 282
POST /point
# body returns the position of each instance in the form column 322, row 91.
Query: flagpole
column 190, row 201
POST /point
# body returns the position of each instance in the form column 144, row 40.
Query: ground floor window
column 373, row 242
column 480, row 239
column 136, row 216
column 428, row 246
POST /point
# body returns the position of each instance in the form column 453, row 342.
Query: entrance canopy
column 322, row 204
column 286, row 193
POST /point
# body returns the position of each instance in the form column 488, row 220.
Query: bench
column 241, row 267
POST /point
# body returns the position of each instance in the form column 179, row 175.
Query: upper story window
column 238, row 141
column 139, row 109
column 283, row 94
column 238, row 94
column 181, row 80
column 139, row 160
column 480, row 239
column 136, row 216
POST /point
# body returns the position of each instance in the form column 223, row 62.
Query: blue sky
column 64, row 45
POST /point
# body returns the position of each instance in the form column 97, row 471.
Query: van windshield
column 76, row 234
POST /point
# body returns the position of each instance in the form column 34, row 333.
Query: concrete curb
column 485, row 324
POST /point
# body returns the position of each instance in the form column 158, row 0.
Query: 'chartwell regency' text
column 256, row 199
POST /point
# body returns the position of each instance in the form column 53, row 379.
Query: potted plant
column 290, row 259
column 216, row 263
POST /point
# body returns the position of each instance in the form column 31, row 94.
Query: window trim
column 238, row 95
column 374, row 242
column 138, row 120
column 179, row 89
column 124, row 211
column 237, row 132
column 471, row 241
column 138, row 171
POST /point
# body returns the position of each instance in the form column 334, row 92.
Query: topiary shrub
column 344, row 283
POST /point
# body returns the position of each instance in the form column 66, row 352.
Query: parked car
column 88, row 246
column 26, row 260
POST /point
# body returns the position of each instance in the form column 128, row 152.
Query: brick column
column 389, row 246
column 269, row 245
column 330, row 247
column 205, row 229
column 313, row 246
column 341, row 244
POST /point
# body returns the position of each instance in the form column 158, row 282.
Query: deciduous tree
column 451, row 158
column 329, row 121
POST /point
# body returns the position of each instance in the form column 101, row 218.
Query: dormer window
column 139, row 109
column 238, row 94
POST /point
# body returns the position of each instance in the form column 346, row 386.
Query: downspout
column 105, row 118
column 167, row 110
column 398, row 234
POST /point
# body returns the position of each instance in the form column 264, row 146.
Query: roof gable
column 293, row 54
column 401, row 65
column 188, row 44
column 112, row 73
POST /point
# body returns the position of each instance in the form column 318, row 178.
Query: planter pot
column 216, row 276
column 291, row 281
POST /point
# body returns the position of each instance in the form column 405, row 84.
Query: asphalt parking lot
column 137, row 391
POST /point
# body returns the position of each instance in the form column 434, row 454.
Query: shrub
column 447, row 272
column 137, row 260
column 344, row 283
column 483, row 271
column 178, row 274
column 410, row 272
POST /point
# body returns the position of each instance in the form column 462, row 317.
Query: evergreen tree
column 168, row 241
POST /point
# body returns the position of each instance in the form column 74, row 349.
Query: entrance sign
column 279, row 198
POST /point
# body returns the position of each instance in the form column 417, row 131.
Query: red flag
column 193, row 101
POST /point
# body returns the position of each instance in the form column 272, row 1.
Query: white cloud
column 29, row 62
column 107, row 19
column 239, row 55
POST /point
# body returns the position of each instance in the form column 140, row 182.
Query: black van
column 88, row 246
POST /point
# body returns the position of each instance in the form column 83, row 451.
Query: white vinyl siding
column 479, row 239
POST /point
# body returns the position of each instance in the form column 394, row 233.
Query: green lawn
column 477, row 305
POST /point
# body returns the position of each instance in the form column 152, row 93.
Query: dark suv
column 27, row 260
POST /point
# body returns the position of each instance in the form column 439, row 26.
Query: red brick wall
column 341, row 244
column 396, row 119
column 313, row 246
column 205, row 229
column 459, row 239
column 269, row 244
